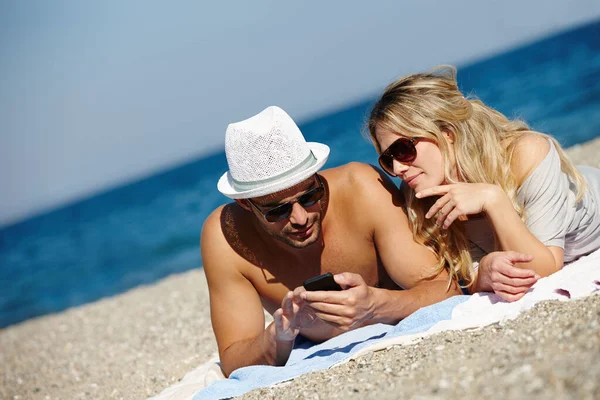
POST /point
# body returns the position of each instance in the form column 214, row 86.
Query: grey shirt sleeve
column 545, row 196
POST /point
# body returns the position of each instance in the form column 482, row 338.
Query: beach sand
column 549, row 352
column 134, row 345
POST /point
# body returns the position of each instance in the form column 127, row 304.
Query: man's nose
column 299, row 215
column 399, row 168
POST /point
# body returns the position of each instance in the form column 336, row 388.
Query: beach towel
column 307, row 356
column 576, row 280
column 193, row 382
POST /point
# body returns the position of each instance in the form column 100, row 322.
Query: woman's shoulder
column 528, row 153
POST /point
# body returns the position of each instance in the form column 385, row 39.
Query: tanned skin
column 359, row 232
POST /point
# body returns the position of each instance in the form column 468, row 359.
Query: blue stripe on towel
column 307, row 357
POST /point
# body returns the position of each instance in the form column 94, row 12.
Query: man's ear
column 244, row 204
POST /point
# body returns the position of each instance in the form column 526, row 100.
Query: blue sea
column 142, row 232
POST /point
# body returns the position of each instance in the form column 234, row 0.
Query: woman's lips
column 411, row 181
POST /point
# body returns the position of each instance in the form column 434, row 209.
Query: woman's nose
column 399, row 168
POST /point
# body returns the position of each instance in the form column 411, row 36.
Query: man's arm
column 378, row 205
column 410, row 264
column 235, row 307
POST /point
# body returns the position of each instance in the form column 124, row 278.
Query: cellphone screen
column 321, row 282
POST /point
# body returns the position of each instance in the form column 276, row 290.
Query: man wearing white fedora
column 288, row 224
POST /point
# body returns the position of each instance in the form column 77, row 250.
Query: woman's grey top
column 551, row 212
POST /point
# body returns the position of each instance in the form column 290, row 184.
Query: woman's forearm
column 513, row 234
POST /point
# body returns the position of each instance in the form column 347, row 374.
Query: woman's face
column 427, row 169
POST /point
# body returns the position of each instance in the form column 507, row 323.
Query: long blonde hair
column 429, row 105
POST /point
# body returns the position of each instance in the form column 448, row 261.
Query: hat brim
column 319, row 150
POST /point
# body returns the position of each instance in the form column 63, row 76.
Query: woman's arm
column 512, row 233
column 497, row 273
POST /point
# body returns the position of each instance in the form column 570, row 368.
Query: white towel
column 578, row 279
column 193, row 381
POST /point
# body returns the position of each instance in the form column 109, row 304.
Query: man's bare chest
column 275, row 276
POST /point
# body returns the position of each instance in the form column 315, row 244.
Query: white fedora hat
column 267, row 153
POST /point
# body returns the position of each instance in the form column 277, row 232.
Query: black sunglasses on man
column 283, row 211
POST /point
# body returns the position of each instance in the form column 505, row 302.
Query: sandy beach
column 134, row 345
column 549, row 352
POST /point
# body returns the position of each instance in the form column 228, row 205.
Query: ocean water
column 142, row 232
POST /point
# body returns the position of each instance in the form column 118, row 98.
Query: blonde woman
column 500, row 204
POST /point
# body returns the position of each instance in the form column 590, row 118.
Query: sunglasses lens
column 310, row 198
column 402, row 150
column 283, row 211
column 386, row 162
column 278, row 213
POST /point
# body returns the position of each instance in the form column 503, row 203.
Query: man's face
column 303, row 226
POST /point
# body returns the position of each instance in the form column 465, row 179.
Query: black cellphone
column 321, row 282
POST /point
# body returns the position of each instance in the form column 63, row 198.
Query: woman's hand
column 497, row 273
column 459, row 199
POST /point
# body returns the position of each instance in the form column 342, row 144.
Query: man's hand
column 292, row 316
column 344, row 310
column 497, row 273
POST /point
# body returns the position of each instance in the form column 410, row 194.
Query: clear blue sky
column 94, row 94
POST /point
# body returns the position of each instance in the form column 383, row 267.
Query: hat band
column 306, row 163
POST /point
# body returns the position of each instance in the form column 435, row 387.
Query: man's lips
column 302, row 233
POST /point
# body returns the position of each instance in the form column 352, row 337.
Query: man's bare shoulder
column 213, row 221
column 224, row 218
column 211, row 229
column 226, row 236
column 360, row 182
column 212, row 239
column 347, row 170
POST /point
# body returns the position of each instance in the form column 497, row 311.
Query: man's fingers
column 277, row 315
column 348, row 279
column 278, row 318
column 283, row 326
column 299, row 290
column 295, row 308
column 334, row 309
column 297, row 295
column 287, row 303
column 325, row 296
column 336, row 320
column 307, row 318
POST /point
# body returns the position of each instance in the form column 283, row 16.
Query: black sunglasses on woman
column 402, row 150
